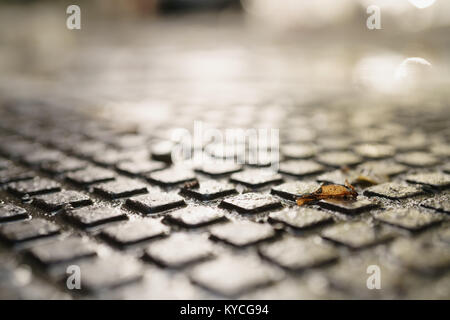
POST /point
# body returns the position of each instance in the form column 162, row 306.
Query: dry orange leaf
column 330, row 191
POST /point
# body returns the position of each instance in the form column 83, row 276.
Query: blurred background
column 310, row 68
column 160, row 52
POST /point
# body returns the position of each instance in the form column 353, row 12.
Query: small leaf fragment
column 330, row 191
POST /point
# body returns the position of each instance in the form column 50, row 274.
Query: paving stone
column 129, row 141
column 120, row 188
column 64, row 165
column 293, row 190
column 94, row 216
column 171, row 177
column 420, row 256
column 249, row 203
column 242, row 233
column 33, row 187
column 4, row 164
column 301, row 218
column 393, row 191
column 227, row 152
column 209, row 190
column 339, row 159
column 256, row 178
column 299, row 253
column 410, row 219
column 299, row 151
column 155, row 202
column 351, row 275
column 18, row 149
column 14, row 174
column 196, row 216
column 375, row 151
column 64, row 251
column 134, row 231
column 162, row 151
column 348, row 206
column 300, row 168
column 336, row 143
column 97, row 274
column 111, row 157
column 21, row 231
column 441, row 205
column 417, row 159
column 433, row 179
column 90, row 175
column 232, row 276
column 179, row 250
column 444, row 235
column 441, row 150
column 356, row 235
column 382, row 168
column 36, row 158
column 219, row 168
column 415, row 141
column 140, row 167
column 55, row 201
column 10, row 212
column 88, row 148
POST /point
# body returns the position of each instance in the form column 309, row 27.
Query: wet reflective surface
column 84, row 108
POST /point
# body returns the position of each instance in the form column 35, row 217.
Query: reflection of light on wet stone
column 389, row 73
column 293, row 13
column 377, row 72
column 413, row 72
column 421, row 4
column 22, row 275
